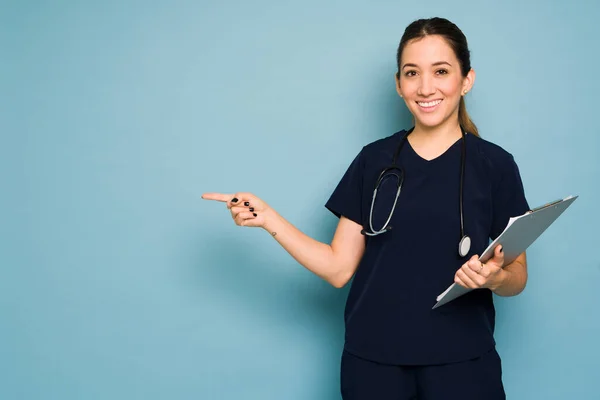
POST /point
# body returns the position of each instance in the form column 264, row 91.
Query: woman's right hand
column 246, row 209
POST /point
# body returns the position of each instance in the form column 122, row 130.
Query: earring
column 465, row 92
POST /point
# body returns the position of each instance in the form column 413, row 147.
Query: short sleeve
column 508, row 197
column 346, row 199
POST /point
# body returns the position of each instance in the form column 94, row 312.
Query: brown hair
column 456, row 40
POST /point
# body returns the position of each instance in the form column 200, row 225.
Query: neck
column 449, row 131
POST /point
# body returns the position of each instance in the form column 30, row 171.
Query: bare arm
column 335, row 262
column 511, row 280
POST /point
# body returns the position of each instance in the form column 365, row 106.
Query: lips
column 428, row 106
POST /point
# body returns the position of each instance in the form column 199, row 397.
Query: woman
column 457, row 191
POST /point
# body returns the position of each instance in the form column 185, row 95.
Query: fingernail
column 234, row 200
column 246, row 203
column 254, row 214
column 251, row 208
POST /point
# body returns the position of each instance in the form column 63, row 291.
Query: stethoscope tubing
column 465, row 241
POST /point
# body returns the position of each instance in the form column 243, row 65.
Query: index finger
column 474, row 264
column 217, row 196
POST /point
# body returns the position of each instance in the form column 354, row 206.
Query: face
column 430, row 81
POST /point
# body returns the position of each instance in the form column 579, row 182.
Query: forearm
column 511, row 280
column 315, row 256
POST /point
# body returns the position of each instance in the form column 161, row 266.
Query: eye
column 410, row 73
column 441, row 71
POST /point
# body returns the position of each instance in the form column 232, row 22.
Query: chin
column 430, row 121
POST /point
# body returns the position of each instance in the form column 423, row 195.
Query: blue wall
column 119, row 282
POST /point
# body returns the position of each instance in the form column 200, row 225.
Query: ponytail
column 464, row 120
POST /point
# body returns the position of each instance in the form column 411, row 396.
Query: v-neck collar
column 440, row 156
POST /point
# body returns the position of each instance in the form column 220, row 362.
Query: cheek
column 450, row 88
column 409, row 87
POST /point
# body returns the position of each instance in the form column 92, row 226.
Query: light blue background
column 118, row 282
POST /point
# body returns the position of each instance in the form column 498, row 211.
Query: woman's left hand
column 474, row 275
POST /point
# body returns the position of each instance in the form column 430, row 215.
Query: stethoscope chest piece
column 464, row 246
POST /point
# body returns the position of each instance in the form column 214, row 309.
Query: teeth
column 429, row 104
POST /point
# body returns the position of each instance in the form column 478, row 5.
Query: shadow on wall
column 279, row 296
column 286, row 291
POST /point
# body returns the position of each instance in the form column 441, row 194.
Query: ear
column 398, row 89
column 468, row 82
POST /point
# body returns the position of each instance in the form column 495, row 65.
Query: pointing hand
column 246, row 209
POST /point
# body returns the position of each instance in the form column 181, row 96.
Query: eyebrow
column 435, row 64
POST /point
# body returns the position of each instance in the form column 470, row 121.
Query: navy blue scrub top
column 388, row 315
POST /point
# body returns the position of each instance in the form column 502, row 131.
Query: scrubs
column 388, row 316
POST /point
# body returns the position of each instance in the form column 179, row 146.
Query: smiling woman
column 396, row 346
column 434, row 59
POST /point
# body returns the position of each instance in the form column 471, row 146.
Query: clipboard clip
column 552, row 203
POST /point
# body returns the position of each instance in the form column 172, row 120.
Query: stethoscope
column 393, row 170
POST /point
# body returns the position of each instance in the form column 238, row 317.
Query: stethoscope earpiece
column 375, row 233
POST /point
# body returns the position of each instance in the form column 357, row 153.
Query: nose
column 426, row 87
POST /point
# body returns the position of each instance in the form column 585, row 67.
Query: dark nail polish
column 251, row 208
column 246, row 203
column 234, row 200
column 254, row 214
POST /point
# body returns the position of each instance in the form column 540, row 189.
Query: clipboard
column 518, row 235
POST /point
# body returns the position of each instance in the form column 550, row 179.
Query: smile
column 428, row 105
